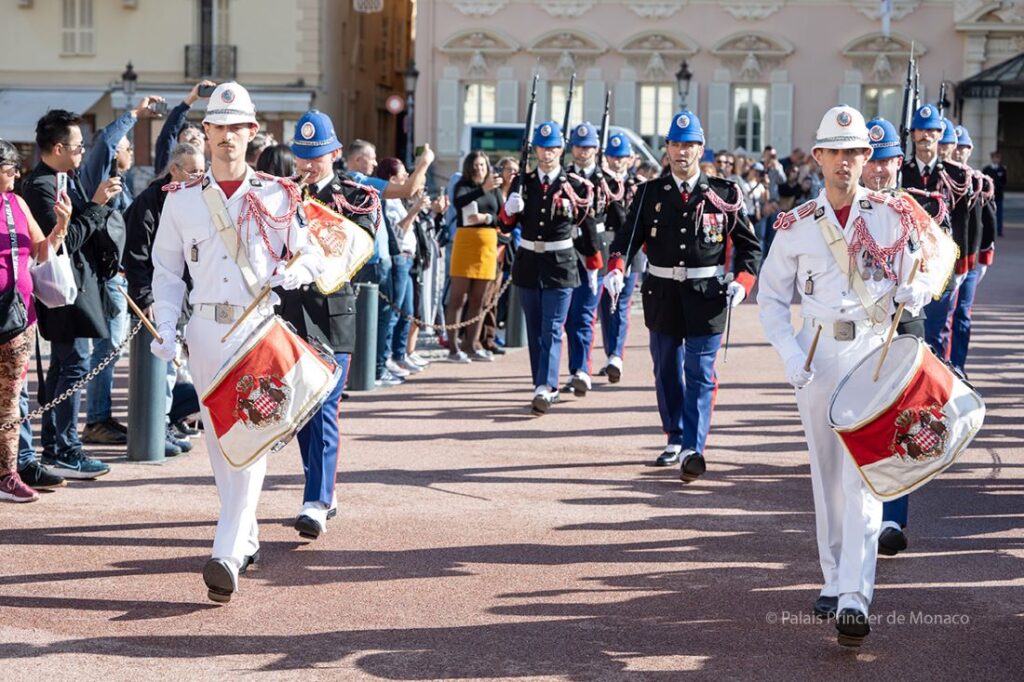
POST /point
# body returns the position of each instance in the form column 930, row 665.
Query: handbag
column 14, row 318
column 53, row 282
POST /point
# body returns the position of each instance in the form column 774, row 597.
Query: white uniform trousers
column 847, row 516
column 239, row 491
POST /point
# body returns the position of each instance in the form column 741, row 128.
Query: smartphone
column 206, row 90
column 114, row 172
column 62, row 185
column 419, row 151
column 159, row 108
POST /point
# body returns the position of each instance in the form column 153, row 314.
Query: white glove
column 514, row 204
column 958, row 280
column 592, row 281
column 291, row 278
column 167, row 350
column 614, row 283
column 914, row 295
column 796, row 374
column 735, row 293
column 982, row 269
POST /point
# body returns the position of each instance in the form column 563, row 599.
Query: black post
column 147, row 396
column 363, row 371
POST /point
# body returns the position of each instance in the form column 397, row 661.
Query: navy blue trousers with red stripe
column 686, row 382
column 320, row 442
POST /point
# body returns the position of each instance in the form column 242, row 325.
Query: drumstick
column 256, row 301
column 895, row 323
column 814, row 347
column 145, row 320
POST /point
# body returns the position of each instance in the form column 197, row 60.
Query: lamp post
column 128, row 79
column 411, row 75
column 683, row 77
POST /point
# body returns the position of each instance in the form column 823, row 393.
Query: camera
column 159, row 108
column 205, row 90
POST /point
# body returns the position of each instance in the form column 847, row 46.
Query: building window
column 883, row 100
column 558, row 102
column 480, row 103
column 77, row 29
column 749, row 106
column 657, row 104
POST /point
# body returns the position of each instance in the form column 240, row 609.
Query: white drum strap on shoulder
column 226, row 230
column 877, row 311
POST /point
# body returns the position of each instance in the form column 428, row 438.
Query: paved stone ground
column 475, row 541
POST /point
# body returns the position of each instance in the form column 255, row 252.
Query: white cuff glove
column 169, row 348
column 982, row 269
column 592, row 281
column 914, row 295
column 293, row 277
column 735, row 293
column 958, row 280
column 614, row 283
column 796, row 375
column 514, row 204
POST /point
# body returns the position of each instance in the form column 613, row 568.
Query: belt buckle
column 539, row 246
column 679, row 273
column 223, row 313
column 844, row 330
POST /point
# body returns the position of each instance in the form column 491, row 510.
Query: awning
column 277, row 102
column 21, row 109
column 1005, row 79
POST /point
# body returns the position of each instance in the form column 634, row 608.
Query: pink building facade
column 764, row 70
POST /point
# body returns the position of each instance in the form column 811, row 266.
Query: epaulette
column 786, row 220
column 184, row 184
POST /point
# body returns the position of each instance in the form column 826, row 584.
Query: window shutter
column 508, row 97
column 448, row 124
column 717, row 129
column 781, row 107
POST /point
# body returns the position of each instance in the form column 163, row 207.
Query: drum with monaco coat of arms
column 267, row 391
column 911, row 424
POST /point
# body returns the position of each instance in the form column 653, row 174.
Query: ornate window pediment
column 477, row 47
column 880, row 57
column 566, row 9
column 655, row 53
column 566, row 51
column 753, row 10
column 655, row 9
column 872, row 9
column 478, row 8
column 985, row 12
column 751, row 54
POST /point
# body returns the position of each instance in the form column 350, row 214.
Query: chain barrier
column 79, row 385
column 446, row 327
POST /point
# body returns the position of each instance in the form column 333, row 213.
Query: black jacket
column 94, row 241
column 331, row 319
column 669, row 231
column 964, row 229
column 141, row 220
column 616, row 213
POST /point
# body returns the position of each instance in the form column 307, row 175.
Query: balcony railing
column 216, row 62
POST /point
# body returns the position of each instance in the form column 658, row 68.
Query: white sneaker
column 312, row 520
column 580, row 383
column 418, row 359
column 396, row 369
column 410, row 366
column 613, row 370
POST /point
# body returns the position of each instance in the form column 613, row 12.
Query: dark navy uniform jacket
column 692, row 235
column 964, row 229
column 330, row 319
column 616, row 213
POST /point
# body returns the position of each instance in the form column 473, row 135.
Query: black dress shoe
column 667, row 458
column 250, row 560
column 220, row 580
column 826, row 607
column 693, row 467
column 891, row 542
column 853, row 627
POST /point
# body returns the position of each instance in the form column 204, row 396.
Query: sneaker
column 183, row 430
column 13, row 489
column 388, row 379
column 101, row 433
column 496, row 350
column 580, row 383
column 36, row 476
column 458, row 357
column 614, row 369
column 77, row 465
column 170, row 449
column 481, row 355
column 396, row 369
column 312, row 520
column 117, row 426
column 181, row 443
column 409, row 366
column 417, row 359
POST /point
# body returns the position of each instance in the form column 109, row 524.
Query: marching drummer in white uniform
column 261, row 215
column 849, row 291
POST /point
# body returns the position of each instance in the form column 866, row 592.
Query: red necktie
column 925, row 177
column 685, row 194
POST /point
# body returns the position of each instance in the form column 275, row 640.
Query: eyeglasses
column 11, row 169
column 77, row 149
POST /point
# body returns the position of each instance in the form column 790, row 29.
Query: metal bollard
column 515, row 323
column 363, row 371
column 147, row 401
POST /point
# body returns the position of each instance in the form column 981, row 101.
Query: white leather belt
column 224, row 313
column 541, row 247
column 840, row 330
column 681, row 274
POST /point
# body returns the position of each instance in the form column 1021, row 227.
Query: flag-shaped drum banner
column 911, row 424
column 346, row 246
column 266, row 392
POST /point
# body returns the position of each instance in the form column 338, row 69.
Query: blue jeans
column 69, row 363
column 401, row 288
column 320, row 442
column 686, row 382
column 545, row 311
column 26, row 453
column 98, row 403
column 961, row 336
column 382, row 274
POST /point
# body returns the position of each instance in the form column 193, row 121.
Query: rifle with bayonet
column 602, row 139
column 565, row 119
column 909, row 107
column 524, row 154
column 942, row 99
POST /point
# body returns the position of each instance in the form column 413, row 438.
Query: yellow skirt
column 475, row 253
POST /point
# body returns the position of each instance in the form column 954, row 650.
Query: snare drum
column 910, row 425
column 267, row 391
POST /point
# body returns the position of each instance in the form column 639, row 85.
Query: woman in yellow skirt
column 474, row 253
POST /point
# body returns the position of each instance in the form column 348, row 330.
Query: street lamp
column 128, row 79
column 683, row 76
column 411, row 75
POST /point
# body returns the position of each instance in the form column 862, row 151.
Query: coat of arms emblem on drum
column 921, row 434
column 262, row 400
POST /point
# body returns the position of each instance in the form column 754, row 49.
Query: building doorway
column 1011, row 142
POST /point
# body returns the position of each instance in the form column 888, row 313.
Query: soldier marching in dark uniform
column 943, row 188
column 547, row 265
column 589, row 242
column 329, row 319
column 689, row 224
column 619, row 189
